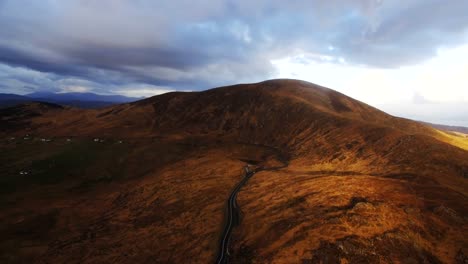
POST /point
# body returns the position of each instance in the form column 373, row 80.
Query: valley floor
column 173, row 211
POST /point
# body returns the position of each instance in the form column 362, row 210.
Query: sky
column 406, row 57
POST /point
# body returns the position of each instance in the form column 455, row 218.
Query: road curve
column 232, row 218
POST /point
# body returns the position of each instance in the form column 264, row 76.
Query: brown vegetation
column 361, row 186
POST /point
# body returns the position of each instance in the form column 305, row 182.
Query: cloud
column 419, row 99
column 142, row 90
column 408, row 32
column 185, row 45
column 437, row 113
column 21, row 80
column 75, row 89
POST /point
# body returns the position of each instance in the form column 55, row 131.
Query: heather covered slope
column 271, row 104
column 314, row 125
column 281, row 109
column 360, row 185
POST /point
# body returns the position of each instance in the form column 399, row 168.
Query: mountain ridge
column 69, row 96
column 80, row 100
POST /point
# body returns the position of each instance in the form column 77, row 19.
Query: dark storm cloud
column 406, row 32
column 194, row 45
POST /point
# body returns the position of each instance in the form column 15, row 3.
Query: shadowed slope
column 287, row 105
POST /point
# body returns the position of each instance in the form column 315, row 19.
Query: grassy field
column 454, row 138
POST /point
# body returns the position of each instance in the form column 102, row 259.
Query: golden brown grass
column 288, row 218
column 455, row 138
column 361, row 186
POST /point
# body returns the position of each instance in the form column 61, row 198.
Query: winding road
column 232, row 218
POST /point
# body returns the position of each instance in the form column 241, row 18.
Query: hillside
column 359, row 186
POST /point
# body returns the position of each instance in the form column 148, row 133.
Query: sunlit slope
column 454, row 138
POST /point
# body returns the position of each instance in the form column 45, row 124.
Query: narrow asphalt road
column 232, row 218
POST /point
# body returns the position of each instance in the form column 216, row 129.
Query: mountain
column 12, row 97
column 337, row 181
column 17, row 116
column 458, row 129
column 87, row 97
column 7, row 100
column 80, row 100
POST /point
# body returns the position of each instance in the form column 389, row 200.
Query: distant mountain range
column 459, row 129
column 80, row 100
